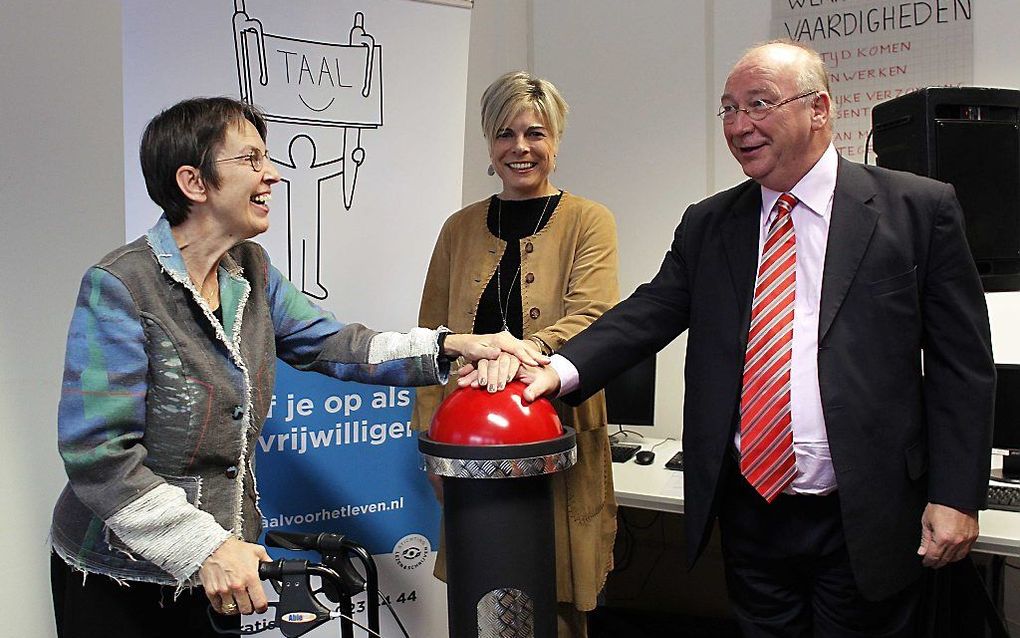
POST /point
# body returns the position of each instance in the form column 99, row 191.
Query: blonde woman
column 540, row 263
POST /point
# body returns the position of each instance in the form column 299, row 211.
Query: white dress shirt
column 811, row 215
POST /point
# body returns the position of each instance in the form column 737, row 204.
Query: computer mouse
column 644, row 457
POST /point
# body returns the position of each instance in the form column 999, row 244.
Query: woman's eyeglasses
column 255, row 158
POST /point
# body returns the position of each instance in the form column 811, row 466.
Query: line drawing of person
column 304, row 178
column 301, row 172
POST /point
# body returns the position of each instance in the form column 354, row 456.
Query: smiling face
column 779, row 150
column 240, row 205
column 523, row 153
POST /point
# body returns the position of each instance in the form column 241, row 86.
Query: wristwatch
column 440, row 343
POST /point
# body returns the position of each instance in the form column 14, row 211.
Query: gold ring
column 229, row 607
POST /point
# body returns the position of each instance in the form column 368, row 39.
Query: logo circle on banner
column 411, row 551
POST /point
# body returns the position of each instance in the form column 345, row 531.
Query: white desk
column 650, row 487
column 653, row 487
column 1000, row 533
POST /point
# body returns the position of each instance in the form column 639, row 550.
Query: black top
column 199, row 315
column 517, row 219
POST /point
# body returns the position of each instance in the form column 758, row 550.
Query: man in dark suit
column 839, row 377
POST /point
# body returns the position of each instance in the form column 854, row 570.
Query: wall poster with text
column 876, row 50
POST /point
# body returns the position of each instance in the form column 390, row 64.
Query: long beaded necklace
column 504, row 309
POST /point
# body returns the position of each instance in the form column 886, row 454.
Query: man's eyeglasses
column 255, row 158
column 757, row 110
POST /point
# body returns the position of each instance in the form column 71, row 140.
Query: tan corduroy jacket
column 568, row 279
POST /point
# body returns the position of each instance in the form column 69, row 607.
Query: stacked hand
column 543, row 381
column 495, row 359
column 493, row 373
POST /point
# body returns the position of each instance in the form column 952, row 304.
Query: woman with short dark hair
column 168, row 376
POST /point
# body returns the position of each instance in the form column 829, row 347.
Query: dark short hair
column 189, row 133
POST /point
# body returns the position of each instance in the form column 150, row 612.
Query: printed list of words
column 876, row 51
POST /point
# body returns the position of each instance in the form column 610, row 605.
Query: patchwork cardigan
column 161, row 402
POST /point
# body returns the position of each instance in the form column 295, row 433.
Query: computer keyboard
column 623, row 452
column 676, row 462
column 1004, row 497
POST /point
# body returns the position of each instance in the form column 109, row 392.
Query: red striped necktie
column 766, row 435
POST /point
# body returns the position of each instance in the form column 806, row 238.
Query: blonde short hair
column 515, row 92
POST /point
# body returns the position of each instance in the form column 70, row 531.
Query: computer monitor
column 630, row 397
column 1006, row 432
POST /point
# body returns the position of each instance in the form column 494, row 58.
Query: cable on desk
column 663, row 441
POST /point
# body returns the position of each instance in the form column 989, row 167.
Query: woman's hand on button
column 490, row 346
column 494, row 375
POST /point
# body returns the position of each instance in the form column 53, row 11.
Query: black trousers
column 788, row 572
column 100, row 606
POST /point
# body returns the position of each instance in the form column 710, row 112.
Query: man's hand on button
column 494, row 374
column 543, row 381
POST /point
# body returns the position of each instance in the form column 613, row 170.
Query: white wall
column 500, row 42
column 62, row 193
column 642, row 79
column 635, row 77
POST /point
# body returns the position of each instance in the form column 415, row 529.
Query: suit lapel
column 740, row 241
column 850, row 229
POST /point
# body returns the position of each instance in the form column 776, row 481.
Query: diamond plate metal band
column 499, row 468
column 506, row 613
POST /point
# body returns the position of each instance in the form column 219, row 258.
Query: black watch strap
column 441, row 342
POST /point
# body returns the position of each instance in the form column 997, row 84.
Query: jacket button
column 529, row 278
column 529, row 247
column 238, row 412
column 535, row 313
column 231, row 472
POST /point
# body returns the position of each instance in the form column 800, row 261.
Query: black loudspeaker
column 969, row 137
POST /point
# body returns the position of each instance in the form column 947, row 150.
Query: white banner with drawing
column 365, row 102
